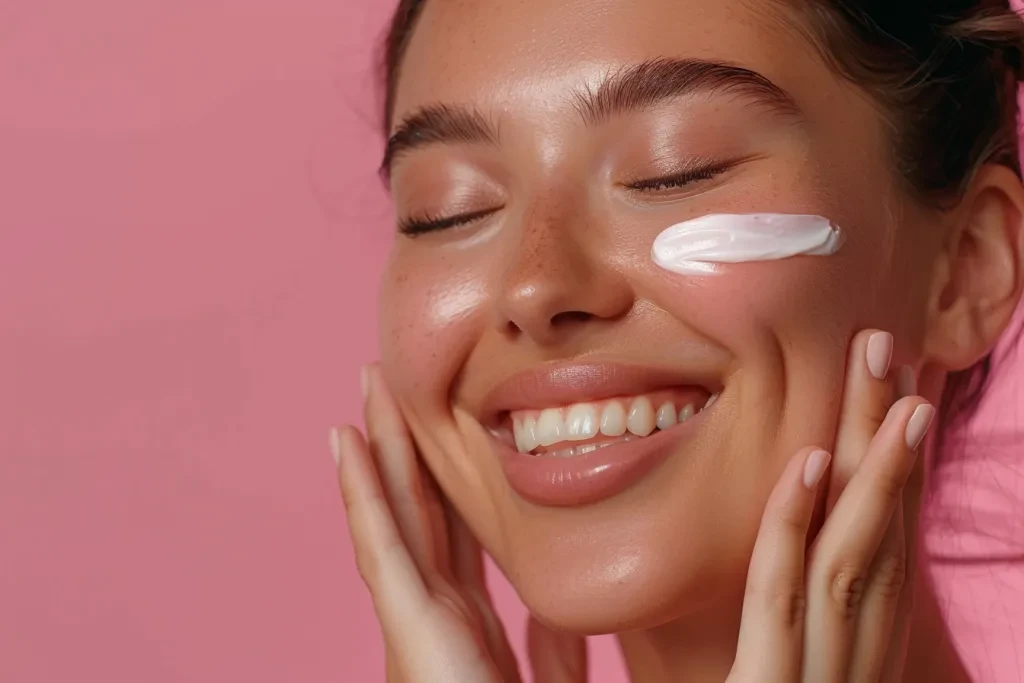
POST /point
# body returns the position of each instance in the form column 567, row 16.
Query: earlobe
column 979, row 279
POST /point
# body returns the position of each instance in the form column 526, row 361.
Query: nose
column 561, row 282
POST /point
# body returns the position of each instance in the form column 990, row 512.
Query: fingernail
column 814, row 468
column 364, row 379
column 920, row 423
column 335, row 441
column 906, row 383
column 879, row 354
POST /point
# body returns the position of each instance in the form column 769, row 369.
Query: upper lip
column 565, row 383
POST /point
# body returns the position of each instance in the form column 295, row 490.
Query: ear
column 979, row 278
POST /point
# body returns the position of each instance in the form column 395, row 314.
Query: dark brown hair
column 943, row 72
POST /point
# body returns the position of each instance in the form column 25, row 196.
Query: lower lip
column 592, row 477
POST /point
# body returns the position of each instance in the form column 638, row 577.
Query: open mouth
column 580, row 428
column 576, row 433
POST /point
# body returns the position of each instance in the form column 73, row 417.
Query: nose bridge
column 557, row 275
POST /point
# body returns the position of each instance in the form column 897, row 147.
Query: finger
column 885, row 584
column 467, row 557
column 845, row 550
column 382, row 558
column 771, row 629
column 912, row 493
column 555, row 657
column 467, row 567
column 397, row 462
column 866, row 400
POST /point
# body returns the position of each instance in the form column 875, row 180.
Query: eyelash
column 419, row 225
column 426, row 223
column 672, row 182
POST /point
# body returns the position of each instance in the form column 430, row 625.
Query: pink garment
column 974, row 524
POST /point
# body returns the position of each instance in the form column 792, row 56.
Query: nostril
column 571, row 317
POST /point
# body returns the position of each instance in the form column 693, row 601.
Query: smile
column 582, row 428
column 557, row 451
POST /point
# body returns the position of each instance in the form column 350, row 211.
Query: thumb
column 555, row 657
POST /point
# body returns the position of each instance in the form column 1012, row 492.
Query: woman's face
column 544, row 120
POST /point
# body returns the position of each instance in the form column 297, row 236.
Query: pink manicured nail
column 919, row 424
column 879, row 354
column 364, row 379
column 335, row 441
column 814, row 468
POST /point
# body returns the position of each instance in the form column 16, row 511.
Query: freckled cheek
column 429, row 321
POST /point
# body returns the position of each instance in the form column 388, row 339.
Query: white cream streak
column 696, row 247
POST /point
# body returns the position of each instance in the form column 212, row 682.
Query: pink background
column 191, row 230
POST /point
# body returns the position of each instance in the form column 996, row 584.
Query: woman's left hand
column 838, row 611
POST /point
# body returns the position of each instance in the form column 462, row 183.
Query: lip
column 561, row 384
column 592, row 477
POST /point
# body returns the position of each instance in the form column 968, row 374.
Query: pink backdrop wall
column 189, row 229
column 190, row 233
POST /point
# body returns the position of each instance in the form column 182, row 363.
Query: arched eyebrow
column 628, row 89
column 639, row 86
column 437, row 124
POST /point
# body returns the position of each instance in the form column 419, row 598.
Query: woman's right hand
column 837, row 610
column 423, row 567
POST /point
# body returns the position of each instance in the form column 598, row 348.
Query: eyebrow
column 437, row 124
column 626, row 90
column 640, row 86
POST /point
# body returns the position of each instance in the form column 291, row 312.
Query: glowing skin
column 697, row 246
column 501, row 313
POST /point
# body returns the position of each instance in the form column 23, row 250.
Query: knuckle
column 785, row 599
column 890, row 576
column 372, row 560
column 368, row 568
column 846, row 584
column 889, row 485
column 788, row 519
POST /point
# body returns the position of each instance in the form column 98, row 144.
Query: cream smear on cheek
column 698, row 246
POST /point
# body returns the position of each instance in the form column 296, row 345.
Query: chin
column 620, row 593
column 631, row 564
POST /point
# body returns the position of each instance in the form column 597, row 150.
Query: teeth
column 641, row 417
column 550, row 427
column 578, row 450
column 582, row 422
column 529, row 436
column 666, row 416
column 623, row 419
column 613, row 420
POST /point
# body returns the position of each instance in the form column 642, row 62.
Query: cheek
column 788, row 325
column 764, row 306
column 430, row 313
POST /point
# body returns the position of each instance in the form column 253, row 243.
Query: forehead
column 499, row 54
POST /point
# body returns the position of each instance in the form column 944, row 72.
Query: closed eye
column 420, row 225
column 678, row 180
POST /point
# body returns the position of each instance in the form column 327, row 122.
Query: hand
column 843, row 614
column 423, row 567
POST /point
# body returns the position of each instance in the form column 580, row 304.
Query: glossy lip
column 587, row 479
column 562, row 384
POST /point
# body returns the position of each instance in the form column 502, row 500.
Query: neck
column 700, row 647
